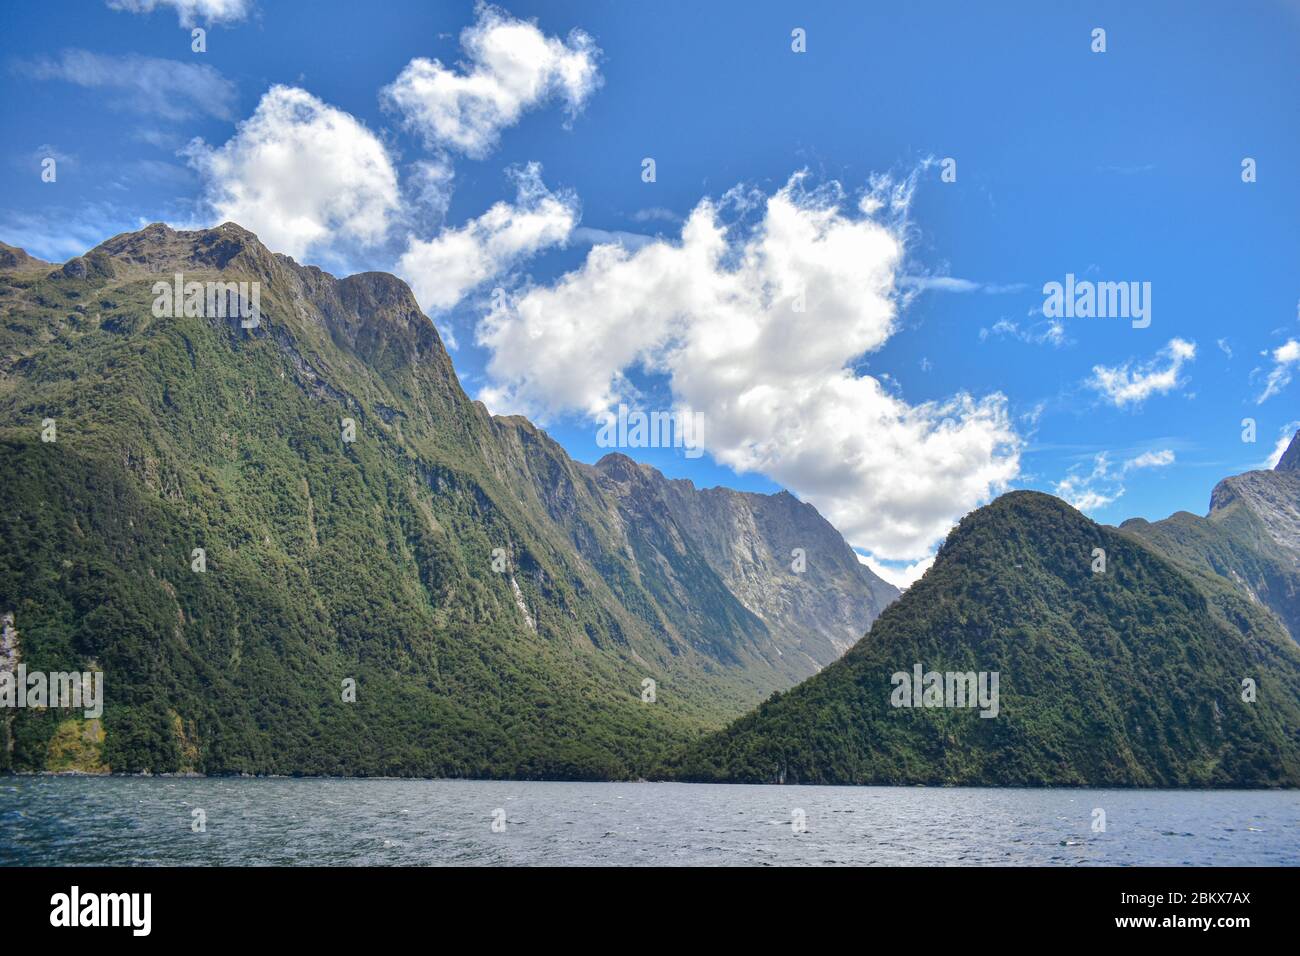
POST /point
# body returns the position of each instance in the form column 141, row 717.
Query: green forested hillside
column 1251, row 536
column 327, row 560
column 1131, row 677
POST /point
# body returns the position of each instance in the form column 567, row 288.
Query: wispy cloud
column 165, row 89
column 1091, row 489
column 924, row 283
column 1133, row 383
column 1047, row 332
column 1285, row 358
column 631, row 241
column 190, row 12
column 655, row 213
column 1283, row 442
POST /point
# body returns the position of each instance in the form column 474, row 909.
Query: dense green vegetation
column 1132, row 677
column 325, row 560
column 373, row 561
column 1248, row 538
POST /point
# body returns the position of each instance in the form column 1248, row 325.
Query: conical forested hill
column 1128, row 677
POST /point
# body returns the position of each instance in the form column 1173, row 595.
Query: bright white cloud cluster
column 1131, row 384
column 1104, row 483
column 190, row 12
column 443, row 269
column 511, row 67
column 1285, row 359
column 759, row 330
column 303, row 175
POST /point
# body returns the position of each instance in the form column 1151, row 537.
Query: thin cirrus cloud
column 190, row 12
column 1047, row 332
column 1134, row 382
column 723, row 314
column 511, row 67
column 164, row 89
column 304, row 176
column 1090, row 489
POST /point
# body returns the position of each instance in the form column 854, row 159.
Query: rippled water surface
column 86, row 820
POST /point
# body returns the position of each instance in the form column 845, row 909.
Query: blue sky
column 1123, row 165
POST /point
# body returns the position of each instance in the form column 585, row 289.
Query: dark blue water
column 88, row 820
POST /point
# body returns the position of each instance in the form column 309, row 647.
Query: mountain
column 1250, row 536
column 1128, row 677
column 242, row 523
column 753, row 543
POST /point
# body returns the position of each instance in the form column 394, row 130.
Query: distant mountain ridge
column 1250, row 536
column 503, row 610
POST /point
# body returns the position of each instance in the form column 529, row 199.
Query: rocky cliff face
column 777, row 555
column 500, row 607
column 1250, row 536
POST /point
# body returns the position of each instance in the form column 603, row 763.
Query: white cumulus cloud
column 1132, row 383
column 900, row 577
column 511, row 67
column 758, row 328
column 301, row 174
column 443, row 269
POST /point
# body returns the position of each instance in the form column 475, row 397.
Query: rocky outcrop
column 17, row 260
column 778, row 556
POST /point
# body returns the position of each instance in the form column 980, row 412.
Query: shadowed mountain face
column 1124, row 674
column 1251, row 536
column 246, row 527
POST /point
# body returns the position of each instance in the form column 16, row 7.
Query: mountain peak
column 619, row 467
column 158, row 248
column 11, row 257
column 1290, row 460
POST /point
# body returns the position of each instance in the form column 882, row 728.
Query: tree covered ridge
column 1131, row 677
